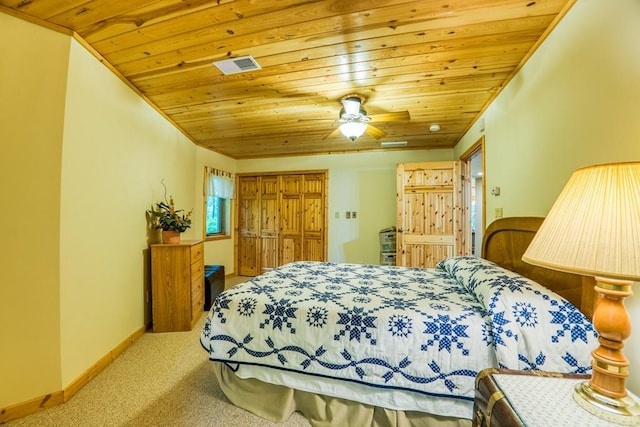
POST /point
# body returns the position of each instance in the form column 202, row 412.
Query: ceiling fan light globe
column 353, row 130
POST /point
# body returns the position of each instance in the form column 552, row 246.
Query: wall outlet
column 353, row 214
column 347, row 215
column 498, row 213
column 337, row 215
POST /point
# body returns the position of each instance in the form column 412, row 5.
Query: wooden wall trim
column 567, row 7
column 50, row 400
column 287, row 172
column 75, row 386
column 99, row 57
column 34, row 20
column 31, row 406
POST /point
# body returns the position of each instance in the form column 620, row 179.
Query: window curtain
column 219, row 183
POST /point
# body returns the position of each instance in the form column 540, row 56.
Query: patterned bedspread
column 427, row 331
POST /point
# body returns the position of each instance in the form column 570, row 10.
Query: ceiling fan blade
column 374, row 132
column 333, row 134
column 391, row 117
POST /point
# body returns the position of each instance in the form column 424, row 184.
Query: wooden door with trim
column 291, row 218
column 281, row 218
column 248, row 225
column 429, row 206
column 269, row 222
column 314, row 217
column 302, row 218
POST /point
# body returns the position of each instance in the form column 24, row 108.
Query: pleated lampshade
column 593, row 227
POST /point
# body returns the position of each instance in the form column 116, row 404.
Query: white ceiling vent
column 237, row 65
column 391, row 144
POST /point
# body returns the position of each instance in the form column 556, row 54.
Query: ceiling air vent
column 237, row 65
column 391, row 144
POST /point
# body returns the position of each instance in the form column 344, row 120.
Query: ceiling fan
column 355, row 121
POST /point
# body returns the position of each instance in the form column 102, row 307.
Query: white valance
column 219, row 183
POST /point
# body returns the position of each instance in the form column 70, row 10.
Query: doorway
column 474, row 196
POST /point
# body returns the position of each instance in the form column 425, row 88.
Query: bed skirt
column 276, row 403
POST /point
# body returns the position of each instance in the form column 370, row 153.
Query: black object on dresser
column 213, row 284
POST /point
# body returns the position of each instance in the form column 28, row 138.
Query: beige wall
column 575, row 103
column 116, row 151
column 216, row 252
column 82, row 159
column 364, row 183
column 32, row 90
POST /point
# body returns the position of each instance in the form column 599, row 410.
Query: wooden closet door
column 281, row 219
column 248, row 225
column 313, row 217
column 269, row 222
column 429, row 207
column 291, row 219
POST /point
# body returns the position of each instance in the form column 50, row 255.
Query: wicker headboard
column 506, row 240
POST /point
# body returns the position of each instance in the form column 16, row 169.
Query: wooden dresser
column 177, row 285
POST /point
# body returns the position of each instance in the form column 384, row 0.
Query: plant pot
column 170, row 237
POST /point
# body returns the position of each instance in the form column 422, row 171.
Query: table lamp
column 593, row 229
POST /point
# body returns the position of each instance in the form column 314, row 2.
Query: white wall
column 362, row 182
column 575, row 103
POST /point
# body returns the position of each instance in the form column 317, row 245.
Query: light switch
column 347, row 215
column 353, row 214
column 498, row 213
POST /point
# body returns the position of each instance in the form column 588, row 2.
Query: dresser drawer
column 197, row 253
column 197, row 295
column 197, row 279
column 197, row 269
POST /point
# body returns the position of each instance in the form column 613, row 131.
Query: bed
column 349, row 344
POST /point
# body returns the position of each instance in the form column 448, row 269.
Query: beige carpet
column 163, row 379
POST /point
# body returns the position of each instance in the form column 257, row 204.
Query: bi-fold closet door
column 281, row 218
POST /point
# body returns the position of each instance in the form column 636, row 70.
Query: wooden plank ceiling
column 442, row 61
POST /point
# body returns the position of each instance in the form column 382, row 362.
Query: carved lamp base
column 605, row 394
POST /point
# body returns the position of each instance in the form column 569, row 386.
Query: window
column 218, row 190
column 215, row 215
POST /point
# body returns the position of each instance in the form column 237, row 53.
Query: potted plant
column 170, row 220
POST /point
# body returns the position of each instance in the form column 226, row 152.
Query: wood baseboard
column 71, row 389
column 23, row 409
column 31, row 406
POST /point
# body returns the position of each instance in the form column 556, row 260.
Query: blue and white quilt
column 426, row 331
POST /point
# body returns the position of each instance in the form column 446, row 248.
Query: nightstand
column 529, row 398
